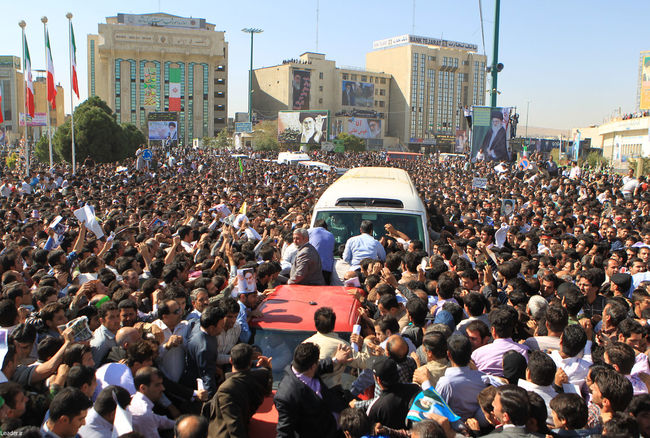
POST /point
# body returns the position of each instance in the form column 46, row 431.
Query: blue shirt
column 242, row 319
column 323, row 241
column 360, row 247
column 459, row 386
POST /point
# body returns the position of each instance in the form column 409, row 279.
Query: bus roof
column 373, row 183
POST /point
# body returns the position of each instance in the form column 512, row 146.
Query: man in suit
column 239, row 397
column 512, row 409
column 201, row 357
column 494, row 147
column 306, row 267
column 306, row 406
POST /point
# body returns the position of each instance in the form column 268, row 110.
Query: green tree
column 222, row 141
column 265, row 136
column 97, row 135
column 645, row 166
column 352, row 143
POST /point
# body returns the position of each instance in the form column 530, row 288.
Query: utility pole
column 252, row 31
column 495, row 53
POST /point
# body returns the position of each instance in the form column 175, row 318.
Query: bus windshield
column 345, row 224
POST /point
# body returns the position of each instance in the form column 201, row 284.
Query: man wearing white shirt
column 567, row 358
column 172, row 351
column 149, row 384
column 540, row 375
column 363, row 246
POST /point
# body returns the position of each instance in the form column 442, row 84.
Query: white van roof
column 319, row 164
column 381, row 183
column 284, row 157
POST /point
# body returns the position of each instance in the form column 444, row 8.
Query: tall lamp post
column 252, row 31
column 496, row 67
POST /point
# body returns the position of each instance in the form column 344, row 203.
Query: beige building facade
column 432, row 80
column 356, row 99
column 133, row 59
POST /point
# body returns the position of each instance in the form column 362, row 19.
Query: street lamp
column 252, row 31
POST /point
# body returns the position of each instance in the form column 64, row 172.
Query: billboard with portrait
column 364, row 128
column 305, row 127
column 461, row 141
column 489, row 139
column 301, row 85
column 645, row 83
column 163, row 127
column 357, row 94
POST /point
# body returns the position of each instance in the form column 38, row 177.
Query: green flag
column 241, row 167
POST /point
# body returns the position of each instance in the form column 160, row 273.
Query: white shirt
column 114, row 373
column 225, row 341
column 546, row 392
column 575, row 368
column 172, row 361
column 144, row 420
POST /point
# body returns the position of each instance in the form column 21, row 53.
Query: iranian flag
column 29, row 86
column 73, row 62
column 174, row 89
column 51, row 87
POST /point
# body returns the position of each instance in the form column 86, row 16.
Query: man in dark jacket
column 306, row 268
column 305, row 405
column 201, row 357
column 239, row 397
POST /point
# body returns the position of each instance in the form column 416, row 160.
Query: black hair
column 355, row 422
column 69, row 402
column 241, row 356
column 572, row 408
column 78, row 375
column 503, row 320
column 541, row 367
column 460, row 349
column 324, row 319
column 574, row 339
column 615, row 387
column 144, row 375
column 305, row 356
column 514, row 402
column 105, row 402
column 211, row 316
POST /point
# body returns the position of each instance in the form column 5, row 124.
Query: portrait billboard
column 489, row 139
column 301, row 85
column 305, row 127
column 645, row 83
column 357, row 94
column 461, row 141
column 364, row 128
column 163, row 127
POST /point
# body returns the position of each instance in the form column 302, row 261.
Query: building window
column 382, row 81
column 220, row 107
column 320, row 88
column 220, row 120
column 320, row 75
column 353, row 77
column 219, row 94
column 221, row 68
column 220, row 81
column 364, row 78
column 320, row 100
column 381, row 104
column 344, row 76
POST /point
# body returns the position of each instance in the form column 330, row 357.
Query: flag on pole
column 73, row 61
column 51, row 87
column 29, row 88
column 174, row 89
column 1, row 118
column 241, row 167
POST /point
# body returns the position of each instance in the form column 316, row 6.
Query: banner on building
column 461, row 141
column 489, row 139
column 364, row 128
column 305, row 127
column 39, row 119
column 150, row 87
column 644, row 104
column 357, row 94
column 163, row 127
column 301, row 84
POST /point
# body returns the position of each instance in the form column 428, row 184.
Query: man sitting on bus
column 363, row 246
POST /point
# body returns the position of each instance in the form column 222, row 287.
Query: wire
column 480, row 11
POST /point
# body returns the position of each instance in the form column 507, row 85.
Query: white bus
column 382, row 195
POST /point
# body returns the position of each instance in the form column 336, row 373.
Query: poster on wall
column 489, row 139
column 305, row 127
column 645, row 84
column 163, row 127
column 357, row 94
column 150, row 87
column 301, row 84
column 461, row 141
column 364, row 128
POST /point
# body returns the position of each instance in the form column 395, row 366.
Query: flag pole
column 47, row 103
column 22, row 25
column 74, row 162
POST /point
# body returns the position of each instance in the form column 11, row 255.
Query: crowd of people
column 129, row 296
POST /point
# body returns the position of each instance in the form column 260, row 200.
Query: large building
column 13, row 89
column 643, row 83
column 160, row 62
column 432, row 80
column 357, row 100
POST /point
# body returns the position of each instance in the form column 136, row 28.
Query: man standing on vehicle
column 363, row 246
column 306, row 268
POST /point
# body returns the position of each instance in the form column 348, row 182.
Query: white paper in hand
column 199, row 385
column 86, row 214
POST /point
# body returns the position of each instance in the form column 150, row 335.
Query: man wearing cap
column 494, row 142
column 393, row 404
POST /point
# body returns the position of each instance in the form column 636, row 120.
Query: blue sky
column 576, row 61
